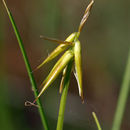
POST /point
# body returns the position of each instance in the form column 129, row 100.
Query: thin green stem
column 64, row 97
column 122, row 97
column 28, row 67
column 96, row 120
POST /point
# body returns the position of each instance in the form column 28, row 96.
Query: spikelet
column 60, row 65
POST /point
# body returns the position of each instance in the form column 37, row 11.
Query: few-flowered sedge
column 73, row 53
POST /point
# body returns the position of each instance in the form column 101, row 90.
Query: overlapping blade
column 57, row 51
column 56, row 70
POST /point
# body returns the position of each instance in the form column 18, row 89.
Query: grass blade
column 28, row 67
column 122, row 97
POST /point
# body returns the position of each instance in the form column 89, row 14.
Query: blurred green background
column 105, row 43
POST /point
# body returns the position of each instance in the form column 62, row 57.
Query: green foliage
column 124, row 92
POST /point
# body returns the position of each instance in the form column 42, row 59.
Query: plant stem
column 122, row 97
column 64, row 97
column 96, row 121
column 28, row 67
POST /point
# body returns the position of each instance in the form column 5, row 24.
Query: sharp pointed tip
column 60, row 91
column 3, row 1
column 82, row 98
column 38, row 67
column 82, row 101
column 85, row 16
column 41, row 36
column 92, row 1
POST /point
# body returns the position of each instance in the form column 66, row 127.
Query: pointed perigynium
column 78, row 68
column 63, row 61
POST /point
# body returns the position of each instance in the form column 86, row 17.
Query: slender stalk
column 122, row 97
column 96, row 121
column 28, row 67
column 64, row 97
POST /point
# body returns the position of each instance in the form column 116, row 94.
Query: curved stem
column 28, row 67
column 122, row 97
column 64, row 97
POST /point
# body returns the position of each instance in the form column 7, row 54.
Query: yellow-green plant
column 73, row 53
column 70, row 61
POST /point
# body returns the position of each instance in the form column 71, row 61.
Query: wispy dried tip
column 27, row 103
column 85, row 16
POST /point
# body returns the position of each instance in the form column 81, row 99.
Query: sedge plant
column 72, row 48
column 69, row 62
